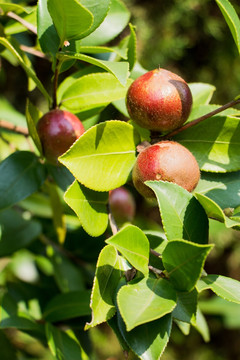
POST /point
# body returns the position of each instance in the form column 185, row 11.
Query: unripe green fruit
column 122, row 205
column 166, row 161
column 159, row 100
column 58, row 130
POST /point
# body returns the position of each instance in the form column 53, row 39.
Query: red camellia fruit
column 122, row 205
column 159, row 100
column 166, row 161
column 58, row 130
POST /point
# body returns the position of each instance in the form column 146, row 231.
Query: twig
column 25, row 23
column 201, row 118
column 15, row 128
column 33, row 51
column 155, row 253
column 156, row 271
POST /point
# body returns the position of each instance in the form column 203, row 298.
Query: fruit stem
column 55, row 85
column 201, row 118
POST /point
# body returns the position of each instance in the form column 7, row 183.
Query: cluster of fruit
column 159, row 101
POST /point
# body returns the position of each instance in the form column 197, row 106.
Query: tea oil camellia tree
column 66, row 264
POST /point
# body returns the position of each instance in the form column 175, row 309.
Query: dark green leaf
column 32, row 116
column 186, row 308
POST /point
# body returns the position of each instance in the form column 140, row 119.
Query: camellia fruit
column 122, row 205
column 58, row 130
column 159, row 100
column 166, row 161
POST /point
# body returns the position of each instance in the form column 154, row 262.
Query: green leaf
column 133, row 245
column 202, row 93
column 182, row 215
column 21, row 175
column 62, row 345
column 200, row 110
column 106, row 280
column 214, row 211
column 20, row 323
column 29, row 70
column 67, row 306
column 91, row 91
column 224, row 189
column 17, row 232
column 47, row 34
column 121, row 52
column 32, row 116
column 232, row 20
column 215, row 143
column 148, row 341
column 147, row 300
column 99, row 11
column 225, row 287
column 119, row 69
column 115, row 21
column 103, row 157
column 90, row 207
column 201, row 325
column 61, row 176
column 10, row 114
column 184, row 262
column 186, row 308
column 70, row 18
column 6, row 7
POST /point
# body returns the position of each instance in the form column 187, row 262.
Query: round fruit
column 122, row 205
column 166, row 161
column 58, row 130
column 159, row 100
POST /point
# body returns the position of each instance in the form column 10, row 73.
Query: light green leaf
column 67, row 306
column 200, row 110
column 29, row 70
column 99, row 10
column 147, row 300
column 182, row 215
column 214, row 211
column 121, row 52
column 91, row 91
column 106, row 279
column 21, row 175
column 201, row 325
column 71, row 19
column 201, row 93
column 225, row 287
column 232, row 20
column 115, row 21
column 5, row 7
column 186, row 306
column 184, row 262
column 103, row 157
column 89, row 206
column 148, row 341
column 119, row 69
column 215, row 143
column 183, row 326
column 133, row 245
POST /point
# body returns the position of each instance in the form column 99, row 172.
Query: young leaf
column 215, row 143
column 232, row 20
column 148, row 341
column 115, row 21
column 119, row 69
column 103, row 157
column 62, row 346
column 67, row 306
column 147, row 300
column 133, row 245
column 94, row 90
column 201, row 93
column 89, row 206
column 184, row 262
column 227, row 288
column 70, row 18
column 186, row 308
column 214, row 211
column 106, row 279
column 182, row 215
column 21, row 175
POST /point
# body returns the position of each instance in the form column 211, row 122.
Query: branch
column 155, row 253
column 32, row 51
column 201, row 118
column 15, row 128
column 25, row 23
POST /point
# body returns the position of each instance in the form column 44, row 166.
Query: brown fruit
column 166, row 161
column 159, row 100
column 122, row 205
column 58, row 130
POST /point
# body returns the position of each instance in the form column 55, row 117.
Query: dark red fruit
column 159, row 100
column 58, row 130
column 122, row 205
column 166, row 161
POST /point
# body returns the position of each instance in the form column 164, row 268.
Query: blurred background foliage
column 191, row 38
